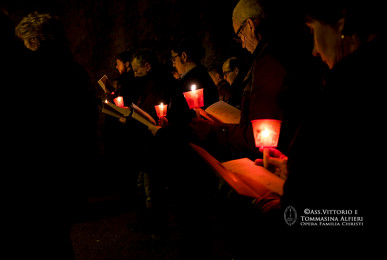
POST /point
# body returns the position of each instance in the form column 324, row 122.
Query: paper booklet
column 106, row 84
column 243, row 175
column 222, row 112
column 134, row 111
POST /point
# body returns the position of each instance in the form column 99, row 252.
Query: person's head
column 186, row 54
column 123, row 62
column 216, row 74
column 143, row 61
column 36, row 29
column 246, row 19
column 339, row 27
column 231, row 69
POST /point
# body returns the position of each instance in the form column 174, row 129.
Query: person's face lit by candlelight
column 32, row 44
column 140, row 70
column 177, row 62
column 121, row 66
column 328, row 40
column 229, row 73
column 246, row 19
column 246, row 34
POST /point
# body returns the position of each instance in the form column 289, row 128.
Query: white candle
column 161, row 107
column 195, row 96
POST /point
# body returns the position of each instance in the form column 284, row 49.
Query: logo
column 290, row 215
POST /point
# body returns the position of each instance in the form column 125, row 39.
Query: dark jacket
column 127, row 87
column 332, row 160
column 265, row 81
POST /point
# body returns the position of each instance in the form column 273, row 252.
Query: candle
column 161, row 110
column 161, row 107
column 266, row 135
column 119, row 101
column 194, row 97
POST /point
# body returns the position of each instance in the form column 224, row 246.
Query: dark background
column 99, row 29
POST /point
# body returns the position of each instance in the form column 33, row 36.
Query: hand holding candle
column 266, row 134
column 161, row 111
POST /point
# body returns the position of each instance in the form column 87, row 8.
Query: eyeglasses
column 173, row 58
column 239, row 31
column 225, row 73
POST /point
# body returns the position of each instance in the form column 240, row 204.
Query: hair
column 360, row 18
column 248, row 9
column 192, row 47
column 42, row 26
column 234, row 63
column 125, row 56
column 217, row 69
column 145, row 56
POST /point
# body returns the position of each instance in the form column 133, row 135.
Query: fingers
column 274, row 153
column 258, row 162
column 276, row 162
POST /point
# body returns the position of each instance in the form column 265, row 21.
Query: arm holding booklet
column 247, row 179
column 227, row 129
column 134, row 112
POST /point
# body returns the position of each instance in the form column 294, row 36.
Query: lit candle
column 194, row 97
column 119, row 101
column 161, row 106
column 266, row 135
column 161, row 110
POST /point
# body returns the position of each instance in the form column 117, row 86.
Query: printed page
column 119, row 112
column 243, row 175
column 106, row 84
column 224, row 112
column 113, row 110
column 143, row 114
column 253, row 174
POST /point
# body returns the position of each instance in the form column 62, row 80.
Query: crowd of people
column 330, row 110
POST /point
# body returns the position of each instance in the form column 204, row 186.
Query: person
column 348, row 38
column 126, row 85
column 265, row 81
column 60, row 137
column 221, row 84
column 114, row 134
column 186, row 55
column 14, row 137
column 234, row 73
column 190, row 206
column 154, row 83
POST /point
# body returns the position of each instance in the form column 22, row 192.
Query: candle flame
column 161, row 104
column 193, row 87
column 106, row 101
column 265, row 133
